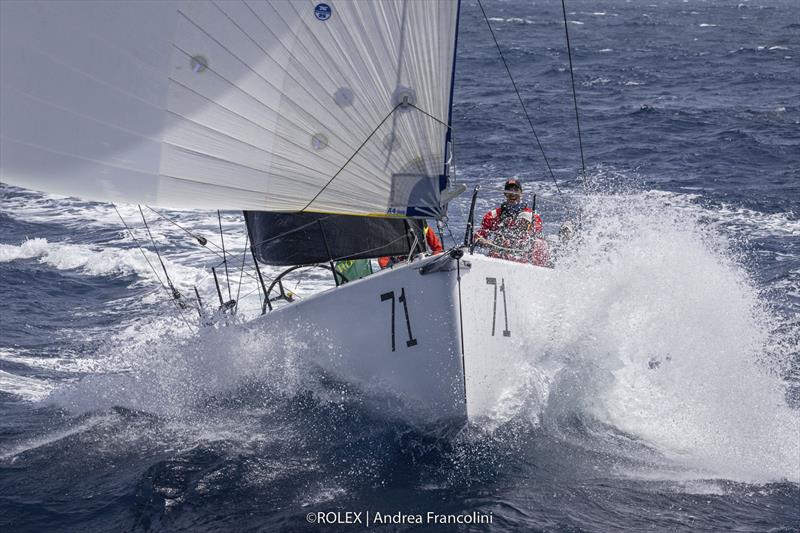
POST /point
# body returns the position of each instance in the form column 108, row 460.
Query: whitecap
column 97, row 261
column 30, row 389
column 48, row 439
column 63, row 364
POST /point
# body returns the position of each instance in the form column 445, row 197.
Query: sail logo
column 323, row 12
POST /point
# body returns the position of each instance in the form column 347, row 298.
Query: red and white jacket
column 515, row 238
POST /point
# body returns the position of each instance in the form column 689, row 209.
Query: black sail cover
column 308, row 238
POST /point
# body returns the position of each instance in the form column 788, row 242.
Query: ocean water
column 664, row 396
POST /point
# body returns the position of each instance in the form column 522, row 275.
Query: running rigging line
column 200, row 239
column 139, row 246
column 141, row 250
column 574, row 95
column 524, row 109
column 352, row 156
column 241, row 272
column 224, row 255
column 175, row 294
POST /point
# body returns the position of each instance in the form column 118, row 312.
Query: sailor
column 433, row 242
column 513, row 231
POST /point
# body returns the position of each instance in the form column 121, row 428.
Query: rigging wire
column 241, row 271
column 356, row 152
column 200, row 239
column 398, row 239
column 141, row 249
column 405, row 102
column 175, row 294
column 155, row 272
column 519, row 97
column 450, row 231
column 257, row 289
column 574, row 94
column 224, row 255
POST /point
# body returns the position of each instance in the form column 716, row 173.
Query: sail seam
column 261, row 193
column 352, row 156
column 367, row 140
column 254, row 98
column 140, row 63
column 78, row 114
column 74, row 156
column 242, row 142
column 355, row 119
column 398, row 77
column 297, row 107
column 368, row 63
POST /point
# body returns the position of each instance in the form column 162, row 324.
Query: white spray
column 672, row 342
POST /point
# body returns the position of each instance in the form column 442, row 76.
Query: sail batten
column 259, row 105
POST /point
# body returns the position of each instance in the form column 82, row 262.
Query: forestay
column 231, row 105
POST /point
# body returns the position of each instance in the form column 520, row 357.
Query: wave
column 185, row 271
column 95, row 261
column 30, row 389
column 513, row 20
column 759, row 48
column 40, row 208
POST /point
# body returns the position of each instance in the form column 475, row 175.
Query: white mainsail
column 251, row 104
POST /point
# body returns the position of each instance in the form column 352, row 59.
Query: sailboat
column 327, row 123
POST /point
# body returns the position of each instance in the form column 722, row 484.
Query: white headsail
column 250, row 104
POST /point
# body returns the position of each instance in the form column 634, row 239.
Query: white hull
column 452, row 352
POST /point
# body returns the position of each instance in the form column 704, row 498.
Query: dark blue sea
column 666, row 399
